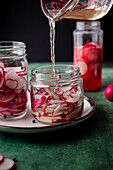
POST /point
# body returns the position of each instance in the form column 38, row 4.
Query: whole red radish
column 109, row 92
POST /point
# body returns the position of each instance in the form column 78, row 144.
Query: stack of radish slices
column 13, row 91
column 57, row 104
column 89, row 59
column 6, row 163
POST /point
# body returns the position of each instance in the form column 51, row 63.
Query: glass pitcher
column 75, row 9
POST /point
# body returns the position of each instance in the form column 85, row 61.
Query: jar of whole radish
column 13, row 80
column 58, row 99
column 87, row 53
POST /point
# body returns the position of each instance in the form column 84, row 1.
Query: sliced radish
column 3, row 108
column 1, row 76
column 22, row 84
column 12, row 84
column 15, row 110
column 39, row 102
column 7, row 164
column 72, row 100
column 1, row 158
column 92, row 43
column 22, row 74
column 6, row 98
column 54, row 101
column 51, row 92
column 56, row 105
column 11, row 74
column 18, row 106
column 60, row 107
column 2, row 64
column 18, row 91
column 16, row 69
column 59, row 76
column 95, row 70
column 99, row 52
column 83, row 66
column 66, row 94
column 48, row 110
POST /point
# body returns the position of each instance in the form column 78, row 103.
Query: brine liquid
column 88, row 14
column 74, row 9
column 52, row 45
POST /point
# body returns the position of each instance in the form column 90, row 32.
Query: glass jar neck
column 64, row 74
column 12, row 49
column 88, row 25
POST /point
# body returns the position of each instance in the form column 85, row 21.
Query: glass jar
column 13, row 80
column 59, row 99
column 87, row 53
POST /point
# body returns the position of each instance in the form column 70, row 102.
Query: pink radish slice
column 6, row 114
column 40, row 101
column 55, row 95
column 53, row 101
column 72, row 100
column 18, row 106
column 22, row 84
column 12, row 84
column 7, row 164
column 65, row 94
column 6, row 98
column 18, row 99
column 2, row 108
column 60, row 107
column 1, row 76
column 11, row 74
column 15, row 110
column 2, row 64
column 18, row 91
column 1, row 158
column 83, row 67
column 16, row 69
column 22, row 74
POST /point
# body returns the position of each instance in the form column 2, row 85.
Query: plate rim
column 52, row 127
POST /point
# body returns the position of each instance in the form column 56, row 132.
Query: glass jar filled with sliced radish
column 13, row 80
column 58, row 99
column 87, row 53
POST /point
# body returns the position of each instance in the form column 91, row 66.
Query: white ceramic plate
column 25, row 124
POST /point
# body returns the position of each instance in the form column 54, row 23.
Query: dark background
column 24, row 21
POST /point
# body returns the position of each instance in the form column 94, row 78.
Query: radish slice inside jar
column 59, row 104
column 16, row 69
column 13, row 91
column 1, row 76
column 12, row 84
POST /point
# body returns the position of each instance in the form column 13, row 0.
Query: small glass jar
column 13, row 80
column 59, row 99
column 87, row 53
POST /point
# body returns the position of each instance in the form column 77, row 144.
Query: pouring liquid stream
column 52, row 45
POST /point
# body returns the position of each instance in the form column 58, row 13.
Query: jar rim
column 9, row 45
column 80, row 25
column 64, row 74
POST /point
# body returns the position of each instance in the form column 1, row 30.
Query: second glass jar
column 13, row 80
column 87, row 53
column 59, row 99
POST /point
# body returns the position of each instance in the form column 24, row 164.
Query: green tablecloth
column 87, row 146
